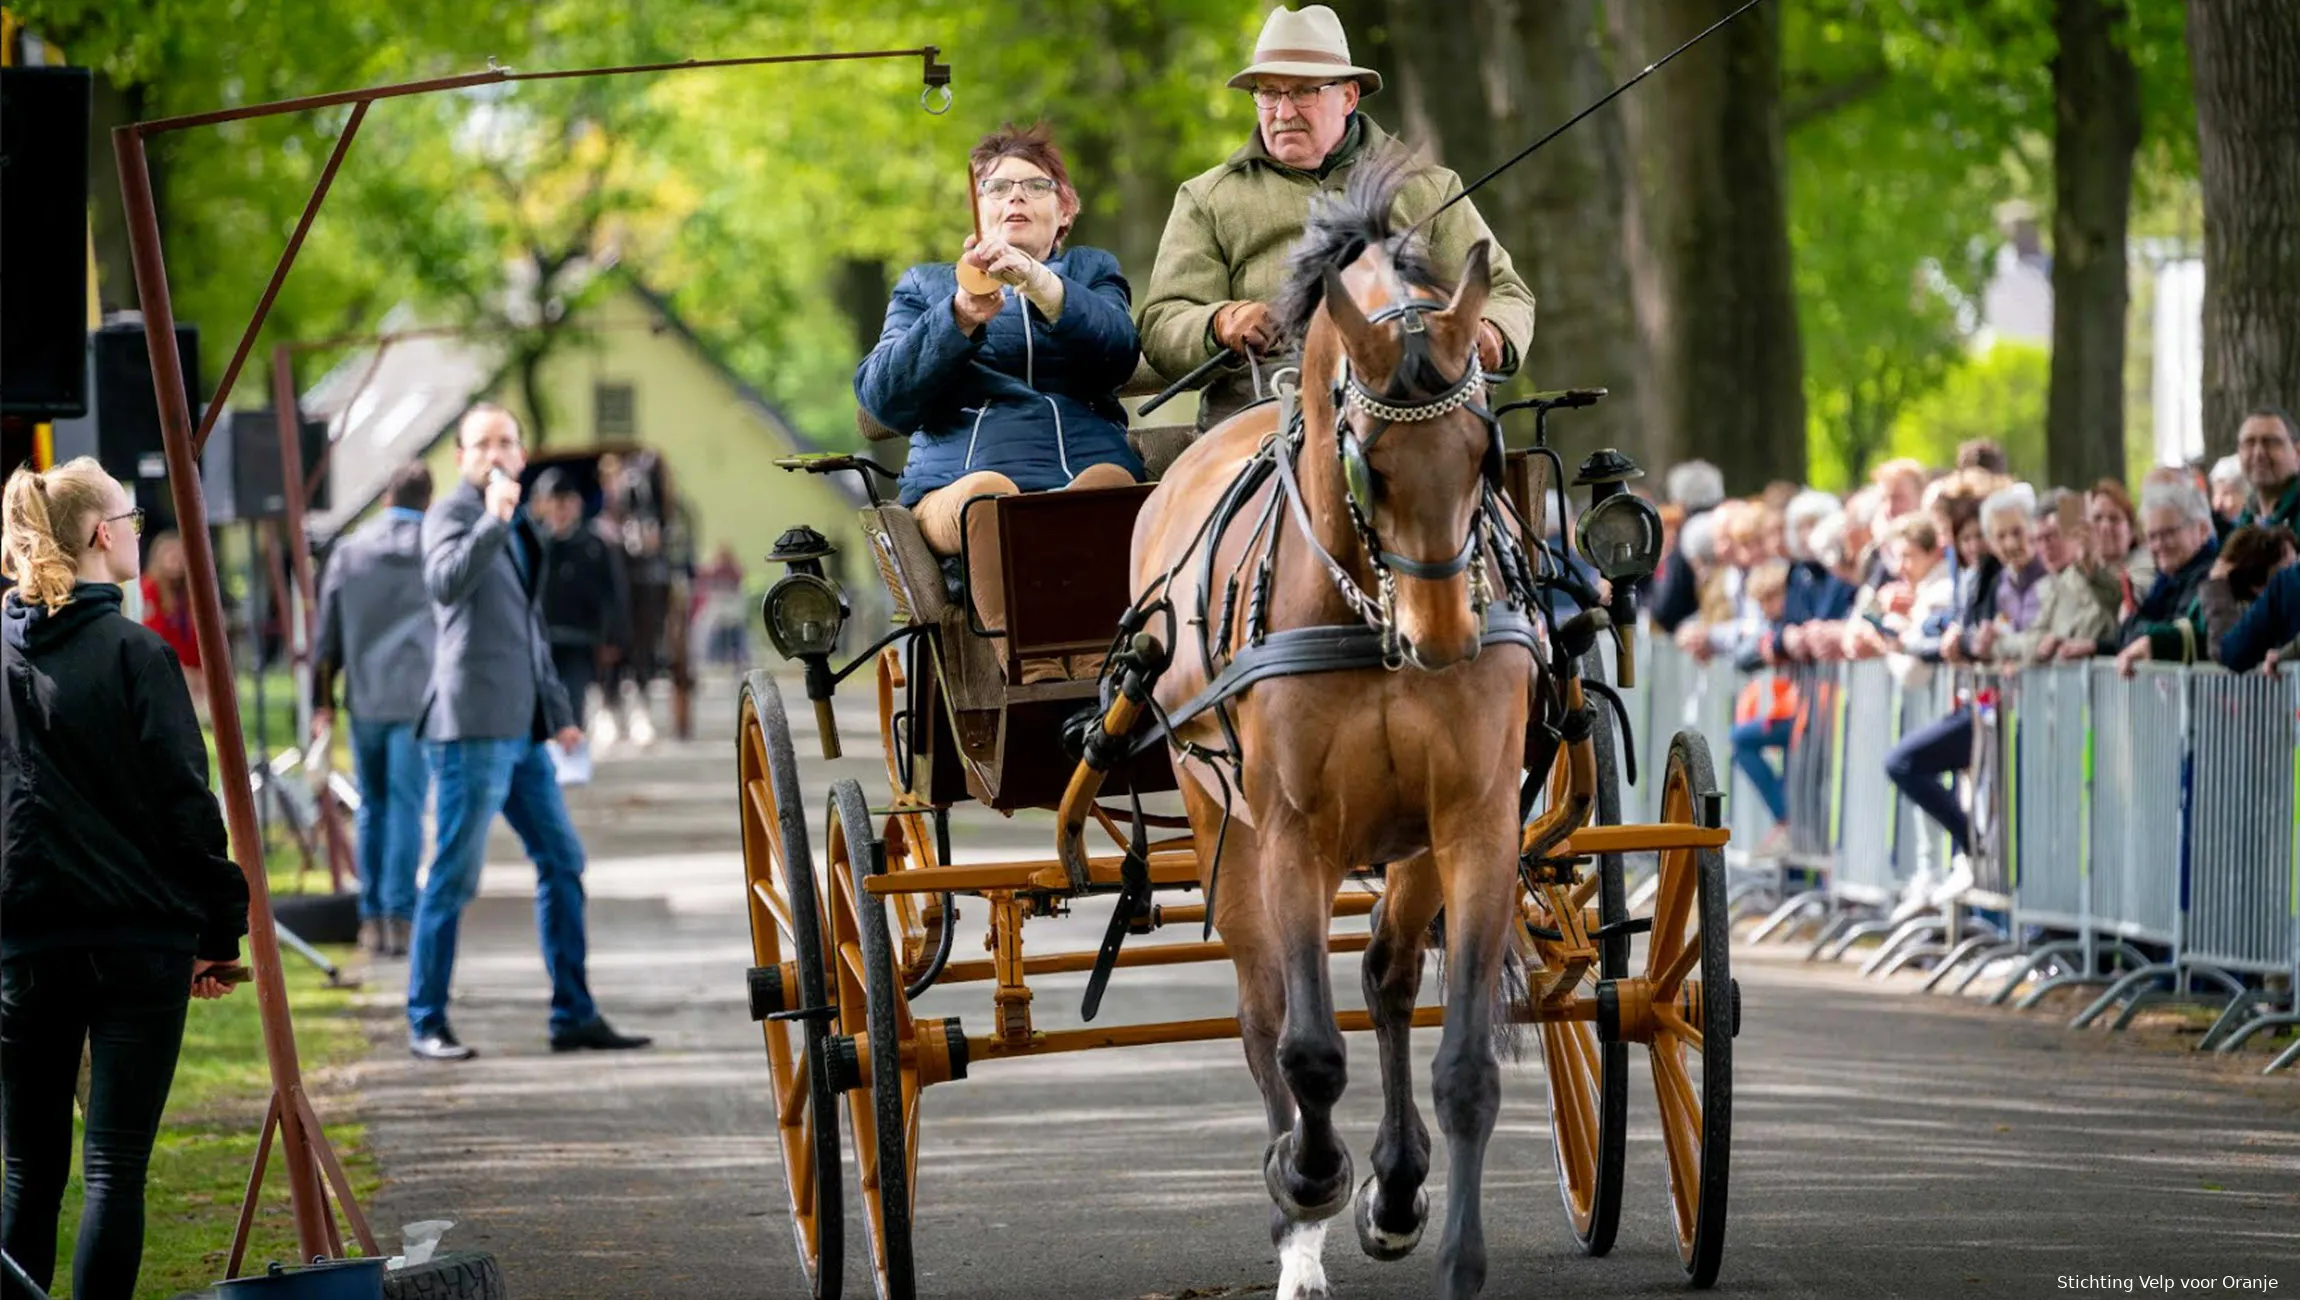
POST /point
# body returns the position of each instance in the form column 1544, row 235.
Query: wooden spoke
column 1680, row 1136
column 1666, row 983
column 1675, row 1024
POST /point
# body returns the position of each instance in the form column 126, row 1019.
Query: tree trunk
column 530, row 367
column 2246, row 58
column 1722, row 325
column 1476, row 82
column 1572, row 231
column 2096, row 108
column 860, row 287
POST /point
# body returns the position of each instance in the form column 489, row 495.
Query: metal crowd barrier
column 2140, row 833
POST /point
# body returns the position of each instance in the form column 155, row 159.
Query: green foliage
column 1999, row 395
column 1910, row 123
column 752, row 197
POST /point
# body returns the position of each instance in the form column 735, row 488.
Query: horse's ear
column 1342, row 309
column 1469, row 296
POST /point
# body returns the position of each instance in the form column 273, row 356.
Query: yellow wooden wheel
column 790, row 973
column 1588, row 1080
column 876, row 1026
column 1695, row 1009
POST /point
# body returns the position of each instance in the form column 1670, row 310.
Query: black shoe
column 596, row 1036
column 439, row 1047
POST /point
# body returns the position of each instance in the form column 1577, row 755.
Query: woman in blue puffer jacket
column 1014, row 390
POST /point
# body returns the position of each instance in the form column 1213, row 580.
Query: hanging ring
column 927, row 101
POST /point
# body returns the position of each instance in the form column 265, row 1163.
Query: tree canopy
column 773, row 205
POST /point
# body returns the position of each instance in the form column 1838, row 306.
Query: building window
column 614, row 411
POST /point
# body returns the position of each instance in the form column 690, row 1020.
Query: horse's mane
column 1341, row 228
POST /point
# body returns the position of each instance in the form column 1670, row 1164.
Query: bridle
column 1393, row 407
column 1490, row 534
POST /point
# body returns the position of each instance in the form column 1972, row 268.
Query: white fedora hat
column 1305, row 42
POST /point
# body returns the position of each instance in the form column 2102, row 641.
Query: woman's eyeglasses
column 134, row 517
column 998, row 187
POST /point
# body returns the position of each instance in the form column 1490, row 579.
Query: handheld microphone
column 496, row 475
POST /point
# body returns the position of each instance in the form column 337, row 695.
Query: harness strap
column 1300, row 651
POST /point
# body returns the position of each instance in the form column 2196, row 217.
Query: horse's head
column 1392, row 393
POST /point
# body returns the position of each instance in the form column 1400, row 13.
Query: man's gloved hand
column 1245, row 326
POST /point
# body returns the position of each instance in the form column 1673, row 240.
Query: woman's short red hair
column 1033, row 144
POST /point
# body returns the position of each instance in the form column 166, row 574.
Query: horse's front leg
column 1308, row 1167
column 1393, row 1205
column 1244, row 924
column 1479, row 864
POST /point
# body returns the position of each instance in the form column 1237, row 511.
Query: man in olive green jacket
column 1223, row 256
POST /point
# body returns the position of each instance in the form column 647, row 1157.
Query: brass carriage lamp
column 804, row 612
column 1620, row 534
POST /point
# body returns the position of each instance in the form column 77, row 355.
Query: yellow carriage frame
column 877, row 919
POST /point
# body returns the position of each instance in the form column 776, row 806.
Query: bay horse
column 1378, row 517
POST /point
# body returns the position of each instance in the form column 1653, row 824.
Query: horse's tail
column 1510, row 990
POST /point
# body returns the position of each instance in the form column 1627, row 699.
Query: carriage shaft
column 1591, row 841
column 1176, row 867
column 1172, row 954
column 985, row 1047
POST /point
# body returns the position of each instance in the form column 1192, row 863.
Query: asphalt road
column 1885, row 1144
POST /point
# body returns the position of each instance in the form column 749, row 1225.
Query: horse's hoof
column 1379, row 1242
column 1310, row 1202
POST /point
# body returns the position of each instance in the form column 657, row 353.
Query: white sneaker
column 2004, row 967
column 1953, row 886
column 604, row 731
column 1916, row 896
column 642, row 728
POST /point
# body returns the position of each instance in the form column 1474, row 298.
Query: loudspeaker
column 127, row 410
column 44, row 122
column 241, row 470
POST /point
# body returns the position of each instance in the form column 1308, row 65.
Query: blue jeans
column 477, row 779
column 1750, row 741
column 1917, row 764
column 392, row 782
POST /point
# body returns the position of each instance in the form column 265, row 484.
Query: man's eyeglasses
column 2164, row 536
column 1303, row 96
column 998, row 187
column 134, row 517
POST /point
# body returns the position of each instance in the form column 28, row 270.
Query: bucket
column 324, row 1279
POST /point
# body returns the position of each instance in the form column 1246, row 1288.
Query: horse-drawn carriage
column 843, row 947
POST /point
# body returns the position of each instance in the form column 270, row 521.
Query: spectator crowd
column 1968, row 566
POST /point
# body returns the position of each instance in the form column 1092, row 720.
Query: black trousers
column 128, row 1005
column 578, row 667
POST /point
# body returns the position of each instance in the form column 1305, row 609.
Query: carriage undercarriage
column 842, row 950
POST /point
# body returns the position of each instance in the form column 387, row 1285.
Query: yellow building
column 634, row 374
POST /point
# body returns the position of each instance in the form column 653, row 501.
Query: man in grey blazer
column 494, row 700
column 375, row 629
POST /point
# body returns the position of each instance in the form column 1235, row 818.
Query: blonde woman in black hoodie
column 117, row 902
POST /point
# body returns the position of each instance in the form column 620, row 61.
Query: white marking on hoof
column 1301, row 1263
column 1379, row 1243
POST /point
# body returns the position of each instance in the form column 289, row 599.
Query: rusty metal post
column 223, row 698
column 306, row 636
